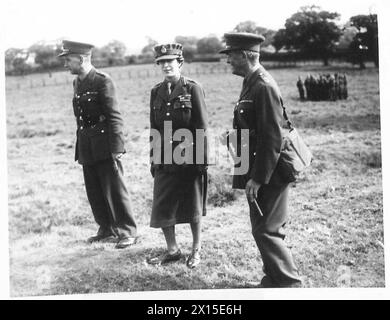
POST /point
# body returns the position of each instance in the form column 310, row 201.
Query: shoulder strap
column 289, row 123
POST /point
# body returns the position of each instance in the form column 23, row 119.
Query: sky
column 98, row 22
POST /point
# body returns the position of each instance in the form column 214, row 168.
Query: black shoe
column 267, row 282
column 103, row 238
column 125, row 242
column 165, row 258
column 194, row 259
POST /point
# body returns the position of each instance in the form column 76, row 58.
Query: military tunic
column 179, row 188
column 99, row 135
column 259, row 109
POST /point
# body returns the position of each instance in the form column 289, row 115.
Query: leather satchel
column 295, row 156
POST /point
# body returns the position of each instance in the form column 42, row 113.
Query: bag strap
column 289, row 123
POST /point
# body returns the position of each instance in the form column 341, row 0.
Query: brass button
column 241, row 111
column 81, row 128
column 102, row 131
column 89, row 99
column 168, row 114
column 168, row 104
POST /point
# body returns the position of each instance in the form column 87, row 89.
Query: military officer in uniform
column 99, row 146
column 259, row 109
column 179, row 191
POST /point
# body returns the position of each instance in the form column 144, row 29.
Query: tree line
column 311, row 33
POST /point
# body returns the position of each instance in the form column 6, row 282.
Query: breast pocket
column 90, row 103
column 182, row 113
column 246, row 117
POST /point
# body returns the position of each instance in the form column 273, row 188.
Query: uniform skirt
column 177, row 198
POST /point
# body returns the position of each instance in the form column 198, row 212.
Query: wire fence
column 134, row 73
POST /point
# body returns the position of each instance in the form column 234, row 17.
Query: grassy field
column 336, row 226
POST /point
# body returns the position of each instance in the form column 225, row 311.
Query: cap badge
column 163, row 50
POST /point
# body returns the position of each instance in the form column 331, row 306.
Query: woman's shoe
column 165, row 258
column 194, row 259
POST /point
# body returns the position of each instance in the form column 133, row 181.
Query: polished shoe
column 267, row 282
column 165, row 258
column 125, row 242
column 103, row 238
column 194, row 259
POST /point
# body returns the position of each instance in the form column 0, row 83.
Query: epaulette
column 189, row 80
column 103, row 74
column 158, row 85
column 263, row 77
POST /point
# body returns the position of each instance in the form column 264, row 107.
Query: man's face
column 237, row 60
column 170, row 67
column 73, row 63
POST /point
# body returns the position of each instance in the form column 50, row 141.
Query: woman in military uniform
column 177, row 165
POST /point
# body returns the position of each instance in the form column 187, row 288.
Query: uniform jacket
column 186, row 108
column 259, row 109
column 99, row 122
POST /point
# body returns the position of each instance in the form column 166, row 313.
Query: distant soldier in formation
column 339, row 87
column 323, row 87
column 332, row 88
column 345, row 91
column 301, row 89
column 307, row 87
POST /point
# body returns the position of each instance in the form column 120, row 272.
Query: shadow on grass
column 102, row 269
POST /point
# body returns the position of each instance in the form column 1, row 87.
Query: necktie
column 169, row 88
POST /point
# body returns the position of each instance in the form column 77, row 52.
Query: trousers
column 267, row 230
column 109, row 199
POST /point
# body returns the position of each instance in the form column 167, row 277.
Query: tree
column 349, row 33
column 189, row 46
column 114, row 52
column 280, row 39
column 252, row 27
column 149, row 48
column 15, row 61
column 311, row 31
column 366, row 39
column 46, row 54
column 209, row 45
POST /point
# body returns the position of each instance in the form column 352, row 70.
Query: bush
column 373, row 159
column 220, row 192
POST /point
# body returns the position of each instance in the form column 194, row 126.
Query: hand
column 201, row 168
column 152, row 170
column 117, row 155
column 251, row 189
column 223, row 138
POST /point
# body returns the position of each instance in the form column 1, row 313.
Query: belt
column 92, row 122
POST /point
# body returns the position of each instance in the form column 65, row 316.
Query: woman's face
column 170, row 68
